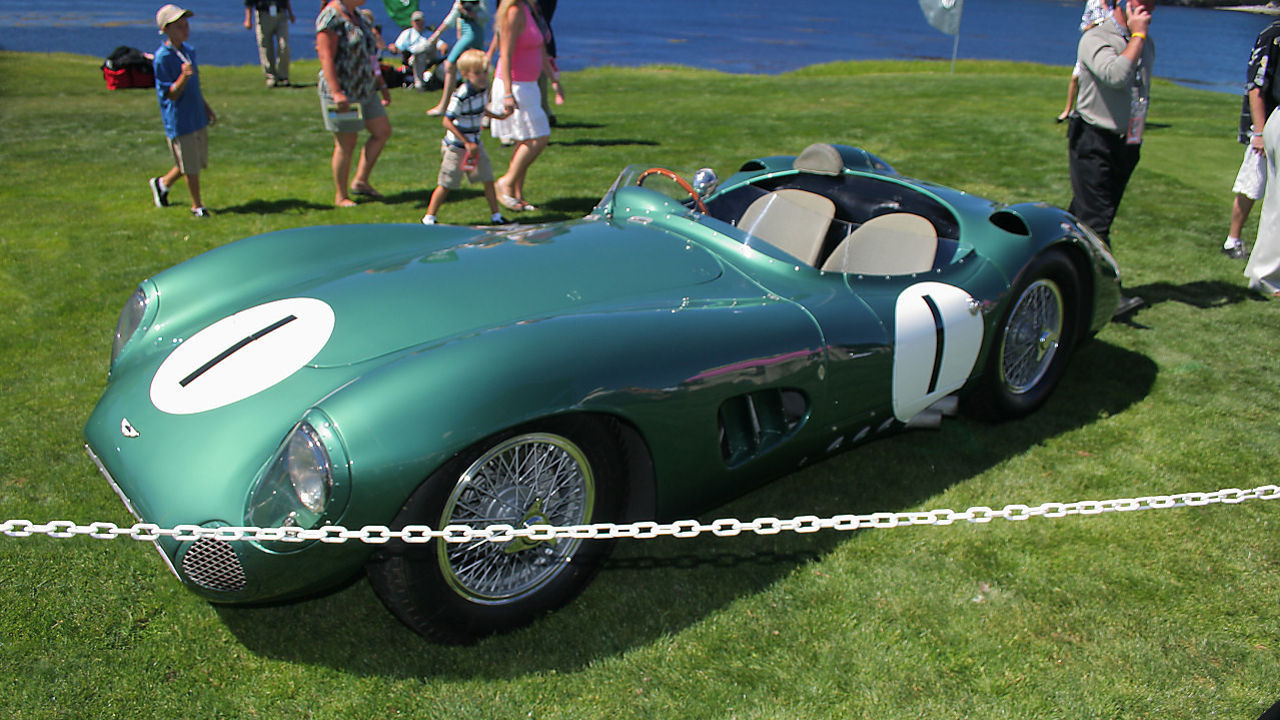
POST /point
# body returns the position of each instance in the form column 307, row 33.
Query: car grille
column 212, row 564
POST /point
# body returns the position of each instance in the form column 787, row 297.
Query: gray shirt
column 1109, row 80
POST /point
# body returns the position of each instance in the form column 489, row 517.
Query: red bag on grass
column 128, row 67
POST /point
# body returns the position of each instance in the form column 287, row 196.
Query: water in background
column 1197, row 47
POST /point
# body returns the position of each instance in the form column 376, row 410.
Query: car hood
column 393, row 287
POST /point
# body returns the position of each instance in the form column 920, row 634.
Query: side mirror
column 705, row 182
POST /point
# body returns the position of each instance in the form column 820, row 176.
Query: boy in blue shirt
column 183, row 110
column 462, row 152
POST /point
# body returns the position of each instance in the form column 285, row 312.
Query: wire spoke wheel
column 532, row 479
column 559, row 472
column 1032, row 336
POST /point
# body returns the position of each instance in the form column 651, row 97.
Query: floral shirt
column 353, row 57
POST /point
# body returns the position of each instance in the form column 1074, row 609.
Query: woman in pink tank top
column 522, row 43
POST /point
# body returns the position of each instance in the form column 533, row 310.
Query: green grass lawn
column 1162, row 614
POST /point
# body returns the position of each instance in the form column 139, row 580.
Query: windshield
column 657, row 179
column 795, row 223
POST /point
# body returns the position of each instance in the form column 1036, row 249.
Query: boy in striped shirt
column 461, row 151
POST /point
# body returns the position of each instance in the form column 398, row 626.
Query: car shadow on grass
column 655, row 589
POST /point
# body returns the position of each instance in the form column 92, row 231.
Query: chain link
column 645, row 530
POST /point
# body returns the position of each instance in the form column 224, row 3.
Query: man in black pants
column 1105, row 135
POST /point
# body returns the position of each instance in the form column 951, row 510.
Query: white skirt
column 527, row 122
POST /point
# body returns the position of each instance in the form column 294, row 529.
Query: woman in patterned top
column 348, row 89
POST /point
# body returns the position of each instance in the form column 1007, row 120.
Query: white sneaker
column 428, row 219
column 159, row 196
column 1236, row 250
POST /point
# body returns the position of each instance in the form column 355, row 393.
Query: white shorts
column 1252, row 179
column 527, row 122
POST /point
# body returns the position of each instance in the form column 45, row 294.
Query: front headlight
column 130, row 320
column 297, row 486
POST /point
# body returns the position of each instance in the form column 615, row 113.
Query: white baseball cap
column 168, row 14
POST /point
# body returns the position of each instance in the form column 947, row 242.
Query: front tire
column 558, row 472
column 1035, row 337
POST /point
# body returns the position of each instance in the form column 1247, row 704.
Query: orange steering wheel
column 684, row 184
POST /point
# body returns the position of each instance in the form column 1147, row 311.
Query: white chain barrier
column 725, row 527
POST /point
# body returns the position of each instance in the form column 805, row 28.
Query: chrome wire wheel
column 1032, row 337
column 531, row 479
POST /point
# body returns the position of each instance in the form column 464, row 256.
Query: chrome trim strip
column 129, row 506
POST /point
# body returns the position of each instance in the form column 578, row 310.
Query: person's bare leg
column 1240, row 208
column 491, row 195
column 379, row 133
column 193, row 187
column 171, row 177
column 437, row 199
column 450, row 81
column 344, row 145
column 512, row 183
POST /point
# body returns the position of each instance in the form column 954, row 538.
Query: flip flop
column 366, row 191
column 511, row 203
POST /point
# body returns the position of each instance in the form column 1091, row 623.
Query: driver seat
column 897, row 243
column 794, row 221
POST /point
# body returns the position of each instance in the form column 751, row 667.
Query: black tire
column 1034, row 339
column 459, row 592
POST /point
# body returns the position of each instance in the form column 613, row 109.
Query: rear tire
column 556, row 472
column 1035, row 337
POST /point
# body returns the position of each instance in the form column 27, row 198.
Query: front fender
column 665, row 371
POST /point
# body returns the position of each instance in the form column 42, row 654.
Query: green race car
column 687, row 340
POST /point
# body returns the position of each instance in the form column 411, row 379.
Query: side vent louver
column 752, row 423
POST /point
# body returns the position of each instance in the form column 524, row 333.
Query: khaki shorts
column 191, row 151
column 451, row 167
column 348, row 122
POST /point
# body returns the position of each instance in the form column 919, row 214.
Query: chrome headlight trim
column 137, row 312
column 304, row 484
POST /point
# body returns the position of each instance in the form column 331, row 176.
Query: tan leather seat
column 794, row 221
column 892, row 244
column 819, row 159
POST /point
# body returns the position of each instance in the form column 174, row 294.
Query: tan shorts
column 349, row 122
column 191, row 151
column 451, row 167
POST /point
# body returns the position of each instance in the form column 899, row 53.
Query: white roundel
column 937, row 338
column 241, row 355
